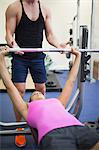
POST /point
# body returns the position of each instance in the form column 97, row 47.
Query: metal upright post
column 78, row 16
column 92, row 26
column 79, row 103
column 77, row 106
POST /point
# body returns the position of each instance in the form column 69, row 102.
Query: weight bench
column 9, row 129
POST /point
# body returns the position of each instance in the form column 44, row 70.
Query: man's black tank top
column 29, row 34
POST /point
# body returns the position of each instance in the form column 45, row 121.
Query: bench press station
column 10, row 128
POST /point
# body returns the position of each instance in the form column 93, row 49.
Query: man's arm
column 16, row 99
column 50, row 36
column 66, row 93
column 11, row 19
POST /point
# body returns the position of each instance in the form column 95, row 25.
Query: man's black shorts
column 21, row 66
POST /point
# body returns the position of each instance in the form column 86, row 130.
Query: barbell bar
column 14, row 125
column 14, row 132
column 50, row 50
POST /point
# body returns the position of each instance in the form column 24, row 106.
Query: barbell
column 50, row 50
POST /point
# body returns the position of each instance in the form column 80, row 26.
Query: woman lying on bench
column 57, row 129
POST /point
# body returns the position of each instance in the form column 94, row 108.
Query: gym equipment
column 52, row 83
column 49, row 50
column 13, row 125
column 83, row 37
column 77, row 98
column 84, row 62
column 93, row 124
column 83, row 71
column 9, row 129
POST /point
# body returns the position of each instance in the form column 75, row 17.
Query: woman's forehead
column 35, row 92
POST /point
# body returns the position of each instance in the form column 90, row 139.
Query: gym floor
column 90, row 110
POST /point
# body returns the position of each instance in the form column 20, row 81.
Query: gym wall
column 62, row 12
column 3, row 5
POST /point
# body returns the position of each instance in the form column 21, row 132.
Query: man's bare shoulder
column 45, row 8
column 13, row 7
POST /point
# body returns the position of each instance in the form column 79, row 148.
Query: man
column 27, row 19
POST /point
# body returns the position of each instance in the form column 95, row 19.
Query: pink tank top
column 46, row 115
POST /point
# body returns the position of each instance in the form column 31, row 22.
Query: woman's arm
column 16, row 99
column 66, row 93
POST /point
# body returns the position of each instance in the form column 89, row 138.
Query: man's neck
column 31, row 1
